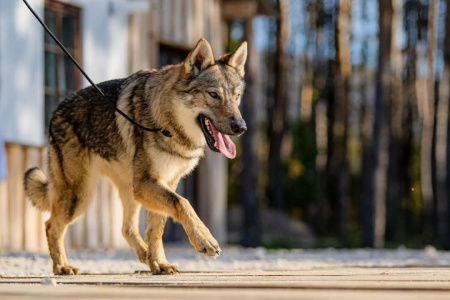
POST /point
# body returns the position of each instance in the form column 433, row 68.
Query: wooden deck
column 326, row 283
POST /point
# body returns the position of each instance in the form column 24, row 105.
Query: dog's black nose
column 238, row 127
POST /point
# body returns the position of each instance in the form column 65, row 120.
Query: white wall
column 104, row 39
column 21, row 73
column 104, row 57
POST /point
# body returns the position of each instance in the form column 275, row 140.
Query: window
column 169, row 55
column 61, row 75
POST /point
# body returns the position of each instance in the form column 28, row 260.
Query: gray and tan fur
column 88, row 139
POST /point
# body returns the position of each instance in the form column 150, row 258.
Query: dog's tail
column 36, row 183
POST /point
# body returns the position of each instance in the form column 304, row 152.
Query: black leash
column 163, row 131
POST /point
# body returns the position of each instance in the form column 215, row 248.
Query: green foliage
column 301, row 178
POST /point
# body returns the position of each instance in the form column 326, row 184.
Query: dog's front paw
column 65, row 270
column 142, row 255
column 162, row 268
column 204, row 242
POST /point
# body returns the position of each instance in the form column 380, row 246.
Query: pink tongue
column 223, row 142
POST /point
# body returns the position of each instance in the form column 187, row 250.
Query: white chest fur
column 167, row 167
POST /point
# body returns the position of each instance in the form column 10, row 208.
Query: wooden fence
column 22, row 225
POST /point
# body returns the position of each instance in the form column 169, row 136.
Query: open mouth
column 217, row 141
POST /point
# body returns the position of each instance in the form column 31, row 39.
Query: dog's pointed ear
column 198, row 59
column 237, row 59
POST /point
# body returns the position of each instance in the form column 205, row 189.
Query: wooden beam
column 239, row 9
column 30, row 213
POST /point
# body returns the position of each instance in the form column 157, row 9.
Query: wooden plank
column 214, row 31
column 105, row 213
column 239, row 9
column 20, row 292
column 155, row 20
column 4, row 216
column 212, row 194
column 43, row 216
column 4, row 210
column 190, row 37
column 117, row 239
column 207, row 20
column 30, row 213
column 154, row 30
column 350, row 283
column 77, row 234
column 199, row 19
column 178, row 29
column 215, row 28
column 42, row 238
column 165, row 7
column 138, row 41
column 218, row 30
column 92, row 221
column 15, row 167
column 132, row 38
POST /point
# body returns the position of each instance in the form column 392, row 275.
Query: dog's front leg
column 153, row 237
column 155, row 196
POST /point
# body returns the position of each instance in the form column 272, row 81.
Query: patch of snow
column 20, row 264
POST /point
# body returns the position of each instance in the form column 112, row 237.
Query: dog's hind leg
column 70, row 190
column 153, row 236
column 55, row 229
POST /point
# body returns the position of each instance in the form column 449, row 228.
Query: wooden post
column 16, row 195
column 92, row 221
column 212, row 194
column 30, row 213
column 250, row 169
column 4, row 215
column 211, row 198
column 43, row 216
column 117, row 240
column 105, row 213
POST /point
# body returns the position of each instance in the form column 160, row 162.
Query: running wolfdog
column 196, row 101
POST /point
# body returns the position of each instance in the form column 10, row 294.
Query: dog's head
column 215, row 89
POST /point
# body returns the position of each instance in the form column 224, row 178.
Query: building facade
column 111, row 39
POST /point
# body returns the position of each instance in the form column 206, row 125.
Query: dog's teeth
column 206, row 122
column 215, row 144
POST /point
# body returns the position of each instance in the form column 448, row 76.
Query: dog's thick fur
column 88, row 139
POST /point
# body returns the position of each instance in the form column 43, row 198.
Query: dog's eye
column 214, row 95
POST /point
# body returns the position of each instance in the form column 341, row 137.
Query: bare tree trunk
column 250, row 170
column 278, row 113
column 321, row 80
column 374, row 195
column 447, row 72
column 425, row 91
column 395, row 177
column 442, row 139
column 338, row 164
column 409, row 143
